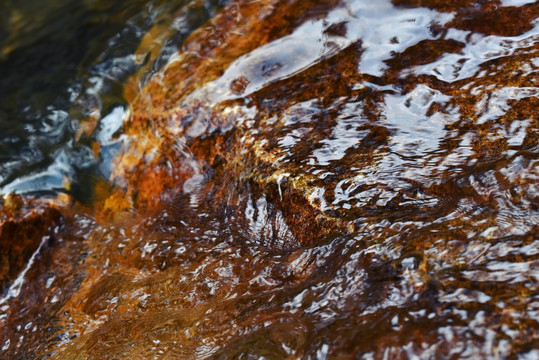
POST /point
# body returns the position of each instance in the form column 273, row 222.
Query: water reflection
column 61, row 76
column 351, row 179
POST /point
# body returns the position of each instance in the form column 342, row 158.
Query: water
column 63, row 69
column 278, row 180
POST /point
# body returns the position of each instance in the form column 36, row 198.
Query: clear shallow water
column 63, row 69
column 299, row 180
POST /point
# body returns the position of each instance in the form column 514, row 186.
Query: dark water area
column 63, row 65
column 269, row 179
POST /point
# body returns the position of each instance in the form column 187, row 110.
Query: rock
column 284, row 186
column 24, row 225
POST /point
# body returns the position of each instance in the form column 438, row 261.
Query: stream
column 272, row 179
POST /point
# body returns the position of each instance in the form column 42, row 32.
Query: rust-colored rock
column 24, row 225
column 187, row 125
column 164, row 111
column 310, row 185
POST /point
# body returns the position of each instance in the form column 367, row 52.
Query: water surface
column 282, row 180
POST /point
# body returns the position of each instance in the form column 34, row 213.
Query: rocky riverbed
column 281, row 180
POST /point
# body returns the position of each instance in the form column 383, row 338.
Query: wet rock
column 316, row 185
column 220, row 127
column 24, row 225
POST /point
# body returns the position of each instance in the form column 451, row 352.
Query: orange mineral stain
column 301, row 179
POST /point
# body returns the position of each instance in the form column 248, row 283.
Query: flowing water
column 269, row 179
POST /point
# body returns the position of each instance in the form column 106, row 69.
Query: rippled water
column 272, row 180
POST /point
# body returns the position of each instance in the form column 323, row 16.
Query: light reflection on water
column 52, row 101
column 409, row 134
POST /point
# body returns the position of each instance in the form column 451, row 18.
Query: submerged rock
column 285, row 116
column 307, row 180
column 24, row 226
